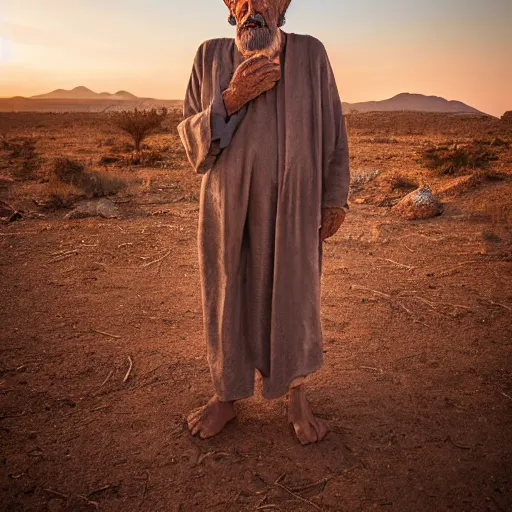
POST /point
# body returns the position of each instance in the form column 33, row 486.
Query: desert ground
column 102, row 354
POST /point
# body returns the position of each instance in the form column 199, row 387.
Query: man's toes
column 321, row 428
column 305, row 433
column 196, row 428
column 195, row 416
column 193, row 422
column 195, row 413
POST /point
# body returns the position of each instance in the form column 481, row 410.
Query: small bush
column 453, row 160
column 146, row 157
column 91, row 183
column 61, row 195
column 359, row 178
column 139, row 123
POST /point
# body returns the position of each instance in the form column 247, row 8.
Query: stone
column 99, row 208
column 419, row 204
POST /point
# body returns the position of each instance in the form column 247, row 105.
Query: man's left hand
column 332, row 219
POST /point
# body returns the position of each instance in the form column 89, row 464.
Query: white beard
column 270, row 51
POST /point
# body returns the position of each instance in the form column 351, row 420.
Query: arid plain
column 102, row 355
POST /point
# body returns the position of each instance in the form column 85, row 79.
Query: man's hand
column 332, row 219
column 253, row 77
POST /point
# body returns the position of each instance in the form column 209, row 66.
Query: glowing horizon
column 456, row 50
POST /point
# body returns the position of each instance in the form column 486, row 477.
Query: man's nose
column 251, row 7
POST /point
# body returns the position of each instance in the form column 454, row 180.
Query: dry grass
column 22, row 157
column 456, row 160
column 69, row 180
column 360, row 178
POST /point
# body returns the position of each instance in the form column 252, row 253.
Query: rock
column 107, row 209
column 100, row 208
column 8, row 213
column 419, row 204
column 507, row 116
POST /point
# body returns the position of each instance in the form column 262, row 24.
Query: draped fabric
column 260, row 253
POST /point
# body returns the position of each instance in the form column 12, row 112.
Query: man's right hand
column 253, row 77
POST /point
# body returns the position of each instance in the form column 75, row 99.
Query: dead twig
column 498, row 304
column 376, row 292
column 445, row 272
column 106, row 334
column 107, row 378
column 63, row 253
column 62, row 258
column 297, row 496
column 129, row 370
column 311, row 486
column 505, row 394
column 95, row 504
column 408, row 267
column 57, row 494
column 149, row 263
column 101, row 489
column 461, row 446
column 100, row 408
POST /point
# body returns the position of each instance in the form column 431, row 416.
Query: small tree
column 139, row 123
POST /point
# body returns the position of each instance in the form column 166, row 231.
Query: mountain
column 83, row 93
column 407, row 101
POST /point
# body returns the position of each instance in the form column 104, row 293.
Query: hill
column 417, row 102
column 83, row 93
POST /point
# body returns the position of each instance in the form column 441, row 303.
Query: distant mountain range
column 418, row 102
column 82, row 93
column 82, row 99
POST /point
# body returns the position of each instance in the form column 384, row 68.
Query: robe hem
column 280, row 392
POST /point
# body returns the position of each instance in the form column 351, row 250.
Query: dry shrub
column 89, row 183
column 61, row 195
column 146, row 157
column 23, row 158
column 457, row 159
column 360, row 178
column 139, row 123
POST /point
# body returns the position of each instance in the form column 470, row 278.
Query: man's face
column 257, row 24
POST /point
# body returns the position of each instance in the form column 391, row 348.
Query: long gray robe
column 260, row 252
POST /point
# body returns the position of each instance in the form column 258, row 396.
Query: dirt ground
column 102, row 354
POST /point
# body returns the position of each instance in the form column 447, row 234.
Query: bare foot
column 308, row 428
column 209, row 420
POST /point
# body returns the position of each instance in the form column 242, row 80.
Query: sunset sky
column 457, row 49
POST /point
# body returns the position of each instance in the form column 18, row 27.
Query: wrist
column 229, row 101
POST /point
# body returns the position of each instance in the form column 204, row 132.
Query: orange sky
column 457, row 49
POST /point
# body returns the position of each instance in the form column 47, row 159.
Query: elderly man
column 263, row 124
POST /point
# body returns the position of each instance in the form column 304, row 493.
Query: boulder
column 99, row 208
column 419, row 204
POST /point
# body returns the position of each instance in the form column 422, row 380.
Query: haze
column 457, row 49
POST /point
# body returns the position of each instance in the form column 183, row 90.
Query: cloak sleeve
column 205, row 132
column 336, row 164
